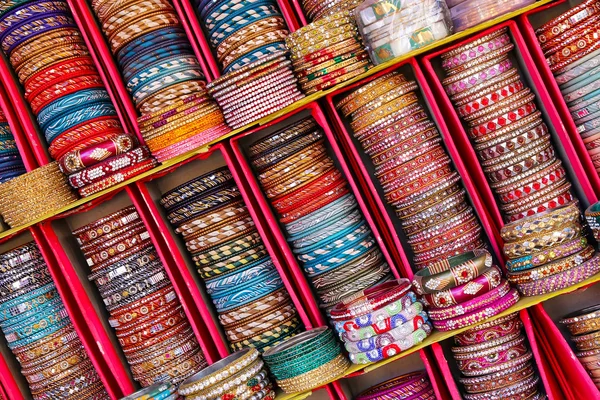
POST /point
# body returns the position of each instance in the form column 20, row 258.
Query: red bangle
column 42, row 83
column 94, row 131
column 118, row 177
column 505, row 119
column 371, row 299
column 77, row 160
column 64, row 88
column 565, row 21
column 313, row 190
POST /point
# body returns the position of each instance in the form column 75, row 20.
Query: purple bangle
column 479, row 315
column 563, row 280
column 405, row 385
column 437, row 314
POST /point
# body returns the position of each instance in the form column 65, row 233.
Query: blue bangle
column 27, row 297
column 582, row 77
column 323, row 243
column 585, row 111
column 233, row 280
column 158, row 69
column 248, row 295
column 583, row 81
column 255, row 55
column 219, row 36
column 323, row 221
column 344, row 202
column 325, row 232
column 589, row 91
column 265, row 276
column 43, row 322
column 350, row 239
column 69, row 121
column 354, row 242
column 588, row 126
column 224, row 16
column 65, row 104
column 334, row 260
column 55, row 302
column 150, row 40
column 173, row 48
column 184, row 76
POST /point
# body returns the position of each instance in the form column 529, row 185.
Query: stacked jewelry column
column 218, row 157
column 522, row 61
column 197, row 315
column 528, row 23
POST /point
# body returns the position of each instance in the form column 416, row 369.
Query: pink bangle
column 454, row 86
column 77, row 160
column 533, row 187
column 377, row 142
column 504, row 353
column 192, row 143
column 404, row 138
column 487, row 281
column 475, row 52
column 371, row 299
column 563, row 280
column 480, row 315
column 503, row 120
column 399, row 387
column 490, row 330
column 523, row 389
column 559, row 201
column 437, row 314
column 101, row 170
column 495, row 97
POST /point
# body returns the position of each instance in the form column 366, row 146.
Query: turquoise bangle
column 326, row 230
column 325, row 216
column 246, row 296
column 318, row 342
column 582, row 81
column 48, row 331
column 243, row 277
column 30, row 305
column 339, row 258
column 68, row 103
column 17, row 318
column 256, row 54
column 33, row 318
column 332, row 238
column 349, row 240
column 589, row 126
column 26, row 297
column 323, row 355
column 345, row 202
column 88, row 112
column 41, row 324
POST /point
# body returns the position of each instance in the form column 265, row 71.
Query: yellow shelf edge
column 437, row 336
column 269, row 118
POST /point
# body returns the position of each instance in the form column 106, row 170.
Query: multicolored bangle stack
column 584, row 326
column 323, row 222
column 327, row 52
column 509, row 134
column 242, row 375
column 256, row 90
column 162, row 75
column 570, row 44
column 253, row 305
column 30, row 196
column 316, row 9
column 548, row 251
column 240, row 32
column 464, row 290
column 391, row 28
column 66, row 92
column 496, row 362
column 11, row 164
column 592, row 216
column 160, row 391
column 39, row 332
column 306, row 361
column 381, row 322
column 150, row 323
column 414, row 169
column 411, row 386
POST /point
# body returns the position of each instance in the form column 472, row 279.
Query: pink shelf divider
column 546, row 13
column 358, row 159
column 440, row 385
column 86, row 321
column 297, row 7
column 25, row 152
column 8, row 384
column 569, row 369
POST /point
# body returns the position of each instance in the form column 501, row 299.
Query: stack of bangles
column 415, row 171
column 32, row 195
column 240, row 32
column 159, row 391
column 464, row 290
column 242, row 375
column 11, row 164
column 67, row 95
column 382, row 322
column 592, row 216
column 507, row 130
column 495, row 361
column 316, row 9
column 322, row 220
column 570, row 44
column 306, row 361
column 327, row 52
column 39, row 332
column 150, row 323
column 584, row 326
column 219, row 233
column 413, row 386
column 257, row 89
column 162, row 75
column 548, row 251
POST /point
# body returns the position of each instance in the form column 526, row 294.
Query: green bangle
column 307, row 363
column 273, row 334
column 292, row 352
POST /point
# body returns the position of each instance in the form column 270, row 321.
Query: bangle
column 476, row 316
column 542, row 240
column 488, row 280
column 451, row 272
column 402, row 387
column 582, row 321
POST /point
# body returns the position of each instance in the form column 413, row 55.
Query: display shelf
column 24, row 116
column 437, row 336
